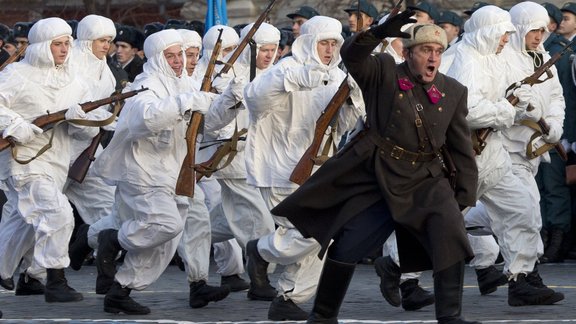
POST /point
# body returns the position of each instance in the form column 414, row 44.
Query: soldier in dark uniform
column 128, row 42
column 452, row 25
column 20, row 32
column 10, row 44
column 425, row 13
column 152, row 28
column 477, row 5
column 367, row 10
column 300, row 16
column 557, row 199
column 391, row 175
column 555, row 16
column 4, row 33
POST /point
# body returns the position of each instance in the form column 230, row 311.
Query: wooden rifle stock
column 48, row 121
column 14, row 57
column 393, row 13
column 208, row 167
column 304, row 167
column 396, row 9
column 246, row 39
column 187, row 176
column 79, row 168
column 359, row 19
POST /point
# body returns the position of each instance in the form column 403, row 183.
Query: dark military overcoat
column 420, row 198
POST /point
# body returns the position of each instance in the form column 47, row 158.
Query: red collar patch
column 434, row 94
column 405, row 84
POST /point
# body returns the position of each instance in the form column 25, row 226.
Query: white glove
column 75, row 112
column 237, row 86
column 221, row 83
column 22, row 131
column 524, row 95
column 308, row 76
column 534, row 114
column 553, row 135
column 199, row 101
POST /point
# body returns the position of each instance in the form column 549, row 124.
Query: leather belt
column 398, row 152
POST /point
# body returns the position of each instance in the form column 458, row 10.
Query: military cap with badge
column 304, row 12
column 130, row 35
column 365, row 7
column 426, row 7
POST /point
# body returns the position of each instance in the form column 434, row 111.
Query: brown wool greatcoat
column 430, row 226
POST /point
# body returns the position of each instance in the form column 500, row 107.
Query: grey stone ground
column 168, row 299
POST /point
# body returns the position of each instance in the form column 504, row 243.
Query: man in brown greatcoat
column 391, row 175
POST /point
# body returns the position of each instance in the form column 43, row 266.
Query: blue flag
column 216, row 13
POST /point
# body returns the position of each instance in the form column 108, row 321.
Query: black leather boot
column 7, row 283
column 332, row 287
column 29, row 286
column 448, row 286
column 522, row 293
column 282, row 309
column 79, row 249
column 489, row 279
column 108, row 248
column 201, row 294
column 534, row 280
column 553, row 252
column 235, row 282
column 389, row 274
column 415, row 297
column 257, row 269
column 118, row 300
column 57, row 289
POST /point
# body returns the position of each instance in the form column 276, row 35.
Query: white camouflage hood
column 316, row 29
column 265, row 35
column 41, row 35
column 484, row 29
column 190, row 38
column 527, row 16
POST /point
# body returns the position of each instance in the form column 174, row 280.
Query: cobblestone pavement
column 168, row 300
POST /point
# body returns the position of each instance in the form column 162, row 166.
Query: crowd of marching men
column 162, row 188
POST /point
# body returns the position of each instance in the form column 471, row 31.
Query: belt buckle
column 397, row 152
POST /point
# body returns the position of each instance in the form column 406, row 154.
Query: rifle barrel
column 246, row 39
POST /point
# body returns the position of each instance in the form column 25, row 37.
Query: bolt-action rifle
column 309, row 159
column 482, row 134
column 187, row 176
column 49, row 120
column 228, row 65
column 14, row 57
